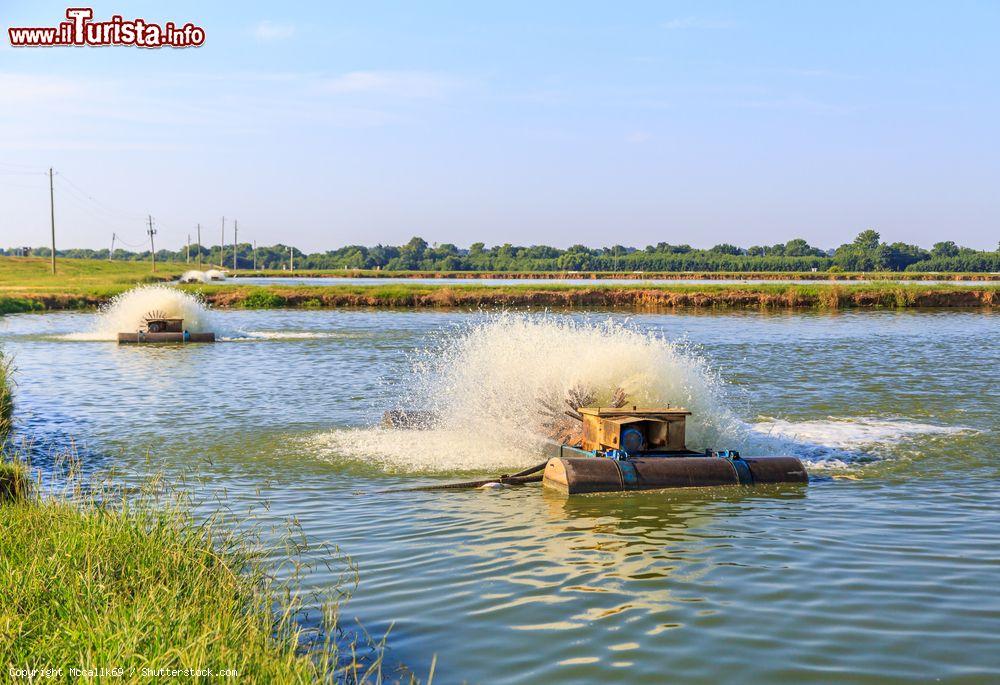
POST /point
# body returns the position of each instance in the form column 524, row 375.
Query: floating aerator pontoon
column 622, row 449
column 158, row 328
column 644, row 449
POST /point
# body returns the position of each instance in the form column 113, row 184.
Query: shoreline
column 643, row 297
column 805, row 276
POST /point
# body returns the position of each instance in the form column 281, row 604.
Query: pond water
column 884, row 569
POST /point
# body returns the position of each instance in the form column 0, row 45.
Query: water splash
column 126, row 312
column 194, row 276
column 843, row 442
column 489, row 385
column 215, row 275
column 293, row 335
column 852, row 433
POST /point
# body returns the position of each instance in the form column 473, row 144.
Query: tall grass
column 6, row 399
column 92, row 578
column 104, row 575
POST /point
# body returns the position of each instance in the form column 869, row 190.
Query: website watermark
column 36, row 674
column 80, row 30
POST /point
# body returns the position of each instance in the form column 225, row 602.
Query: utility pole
column 152, row 249
column 291, row 258
column 113, row 236
column 222, row 245
column 187, row 257
column 199, row 244
column 236, row 240
column 255, row 255
column 52, row 212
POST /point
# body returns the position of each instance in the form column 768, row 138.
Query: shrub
column 263, row 299
column 15, row 485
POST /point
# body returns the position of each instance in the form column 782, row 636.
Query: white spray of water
column 294, row 335
column 842, row 442
column 489, row 384
column 194, row 276
column 127, row 312
column 852, row 433
column 215, row 275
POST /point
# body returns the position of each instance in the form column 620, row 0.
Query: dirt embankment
column 605, row 297
column 805, row 276
column 832, row 297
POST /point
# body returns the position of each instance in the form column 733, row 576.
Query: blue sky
column 328, row 123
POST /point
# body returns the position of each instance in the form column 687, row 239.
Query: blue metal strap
column 742, row 470
column 628, row 474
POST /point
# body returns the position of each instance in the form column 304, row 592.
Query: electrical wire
column 131, row 215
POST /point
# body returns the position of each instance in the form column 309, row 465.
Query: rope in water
column 519, row 478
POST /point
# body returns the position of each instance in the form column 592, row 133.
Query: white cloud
column 269, row 31
column 680, row 23
column 104, row 113
column 407, row 84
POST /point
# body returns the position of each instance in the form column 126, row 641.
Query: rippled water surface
column 885, row 569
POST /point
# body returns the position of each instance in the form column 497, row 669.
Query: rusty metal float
column 636, row 448
column 624, row 449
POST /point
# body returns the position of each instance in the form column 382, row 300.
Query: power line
column 102, row 205
column 132, row 245
column 90, row 210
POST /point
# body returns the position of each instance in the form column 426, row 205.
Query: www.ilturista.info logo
column 80, row 30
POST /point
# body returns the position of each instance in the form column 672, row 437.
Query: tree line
column 867, row 252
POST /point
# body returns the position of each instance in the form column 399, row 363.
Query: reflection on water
column 889, row 577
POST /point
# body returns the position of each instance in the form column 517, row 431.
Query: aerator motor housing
column 164, row 325
column 644, row 449
column 633, row 431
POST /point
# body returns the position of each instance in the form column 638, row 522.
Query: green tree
column 868, row 240
column 946, row 248
column 798, row 247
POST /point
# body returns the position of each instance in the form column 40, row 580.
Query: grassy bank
column 117, row 587
column 146, row 588
column 25, row 285
column 766, row 295
column 77, row 273
column 633, row 275
column 34, row 272
column 94, row 581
